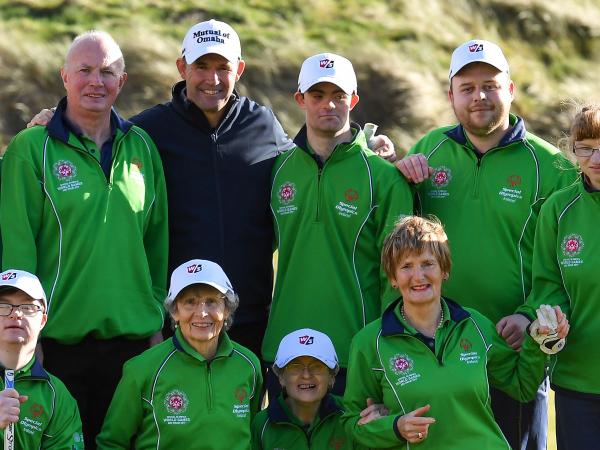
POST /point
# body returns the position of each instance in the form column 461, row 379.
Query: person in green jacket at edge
column 306, row 415
column 431, row 362
column 44, row 414
column 333, row 202
column 198, row 390
column 565, row 273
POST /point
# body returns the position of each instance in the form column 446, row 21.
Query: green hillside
column 400, row 48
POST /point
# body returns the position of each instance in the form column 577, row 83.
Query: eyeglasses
column 27, row 309
column 585, row 151
column 314, row 368
column 209, row 303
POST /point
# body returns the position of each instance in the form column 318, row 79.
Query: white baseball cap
column 211, row 36
column 327, row 67
column 477, row 50
column 306, row 342
column 26, row 282
column 199, row 271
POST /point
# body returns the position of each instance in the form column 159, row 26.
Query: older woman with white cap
column 198, row 389
column 305, row 415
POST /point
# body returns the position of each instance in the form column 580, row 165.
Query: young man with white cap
column 305, row 415
column 486, row 179
column 198, row 389
column 44, row 414
column 333, row 201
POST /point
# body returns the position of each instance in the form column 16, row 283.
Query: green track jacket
column 99, row 246
column 489, row 207
column 565, row 273
column 389, row 364
column 171, row 398
column 277, row 428
column 49, row 419
column 330, row 222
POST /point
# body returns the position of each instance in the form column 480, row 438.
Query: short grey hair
column 98, row 36
column 232, row 301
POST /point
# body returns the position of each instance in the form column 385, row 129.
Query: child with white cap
column 198, row 389
column 38, row 405
column 305, row 415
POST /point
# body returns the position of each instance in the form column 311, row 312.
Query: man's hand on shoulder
column 415, row 168
column 42, row 118
column 384, row 147
column 512, row 329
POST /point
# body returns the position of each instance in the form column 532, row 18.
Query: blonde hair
column 415, row 235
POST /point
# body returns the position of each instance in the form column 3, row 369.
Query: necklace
column 439, row 325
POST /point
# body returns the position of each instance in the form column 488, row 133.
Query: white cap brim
column 199, row 271
column 320, row 348
column 347, row 88
column 24, row 281
column 477, row 51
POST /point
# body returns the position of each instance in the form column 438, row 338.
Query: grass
column 400, row 48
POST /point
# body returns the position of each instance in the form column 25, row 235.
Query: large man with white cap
column 486, row 179
column 333, row 201
column 39, row 407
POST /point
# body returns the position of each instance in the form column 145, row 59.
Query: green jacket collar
column 279, row 412
column 392, row 325
column 224, row 348
column 58, row 129
column 517, row 133
column 342, row 150
column 32, row 369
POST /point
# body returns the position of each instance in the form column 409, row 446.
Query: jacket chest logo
column 336, row 442
column 439, row 180
column 286, row 194
column 241, row 408
column 467, row 356
column 176, row 404
column 512, row 192
column 66, row 172
column 348, row 206
column 571, row 246
column 135, row 170
column 77, row 443
column 35, row 422
column 403, row 366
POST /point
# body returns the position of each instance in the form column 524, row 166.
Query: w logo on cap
column 326, row 64
column 306, row 340
column 473, row 48
column 194, row 268
column 9, row 276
